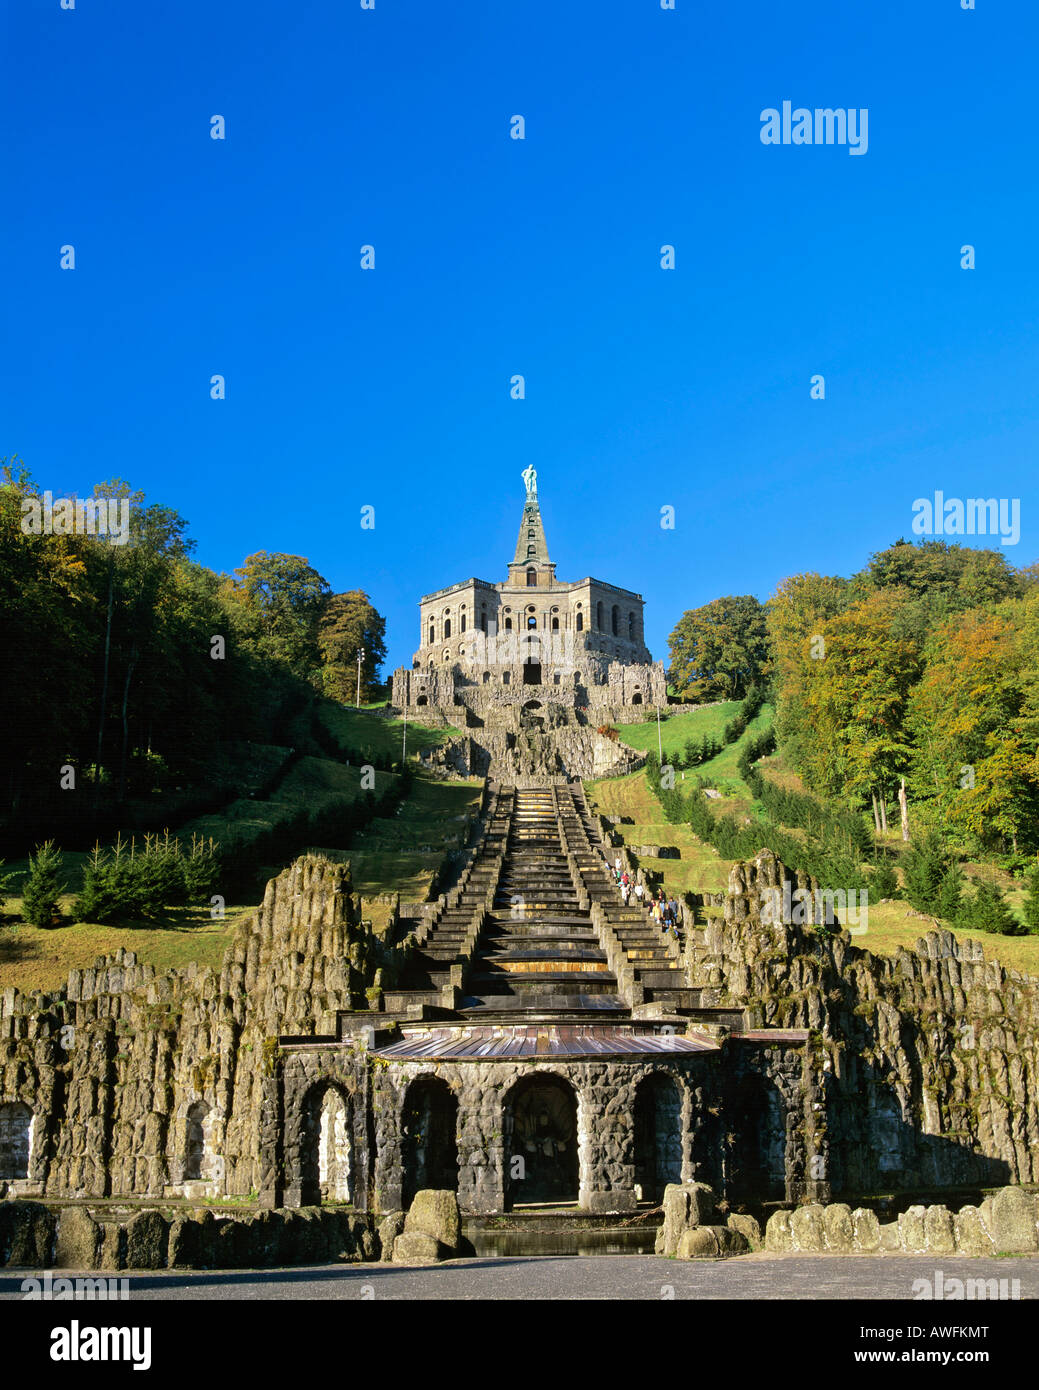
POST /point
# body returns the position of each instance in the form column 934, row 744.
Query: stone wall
column 931, row 1054
column 149, row 1084
column 104, row 1239
column 528, row 747
column 1005, row 1223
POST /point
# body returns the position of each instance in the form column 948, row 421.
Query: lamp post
column 360, row 658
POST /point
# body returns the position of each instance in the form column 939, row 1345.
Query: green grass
column 676, row 731
column 361, row 733
column 722, row 771
column 401, row 853
column 34, row 958
column 700, row 868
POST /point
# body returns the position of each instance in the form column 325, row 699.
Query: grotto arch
column 657, row 1122
column 540, row 1130
column 326, row 1146
column 756, row 1165
column 430, row 1137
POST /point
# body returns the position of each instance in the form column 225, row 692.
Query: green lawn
column 401, row 853
column 34, row 958
column 361, row 733
column 675, row 731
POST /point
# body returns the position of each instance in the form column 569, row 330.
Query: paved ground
column 590, row 1277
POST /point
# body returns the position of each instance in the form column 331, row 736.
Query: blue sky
column 645, row 387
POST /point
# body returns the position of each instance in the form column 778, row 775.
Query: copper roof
column 478, row 1044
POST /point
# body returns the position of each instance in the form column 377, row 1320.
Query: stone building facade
column 532, row 639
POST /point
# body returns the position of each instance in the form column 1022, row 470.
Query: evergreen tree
column 43, row 887
column 883, row 882
column 990, row 912
column 924, row 868
column 949, row 903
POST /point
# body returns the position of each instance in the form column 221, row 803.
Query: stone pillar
column 271, row 1186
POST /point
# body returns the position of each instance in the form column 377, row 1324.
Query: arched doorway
column 636, row 699
column 15, row 1131
column 430, row 1125
column 753, row 1129
column 326, row 1149
column 658, row 1135
column 540, row 1128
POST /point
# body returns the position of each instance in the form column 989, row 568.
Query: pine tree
column 924, row 868
column 883, row 882
column 949, row 903
column 990, row 912
column 43, row 887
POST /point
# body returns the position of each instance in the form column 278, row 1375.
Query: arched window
column 508, row 624
column 486, row 677
column 432, row 637
column 532, row 621
column 447, row 628
column 580, row 621
column 615, row 620
column 483, row 619
column 532, row 578
column 631, row 627
column 506, row 677
column 598, row 616
column 462, row 624
column 447, row 654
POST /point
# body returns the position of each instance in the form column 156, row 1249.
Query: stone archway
column 327, row 1146
column 430, row 1137
column 541, row 1142
column 658, row 1135
column 15, row 1140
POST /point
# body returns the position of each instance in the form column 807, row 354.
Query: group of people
column 663, row 909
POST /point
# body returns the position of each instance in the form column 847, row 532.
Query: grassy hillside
column 361, row 732
column 891, row 924
column 397, row 854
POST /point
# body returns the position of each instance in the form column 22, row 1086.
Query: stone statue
column 530, row 477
